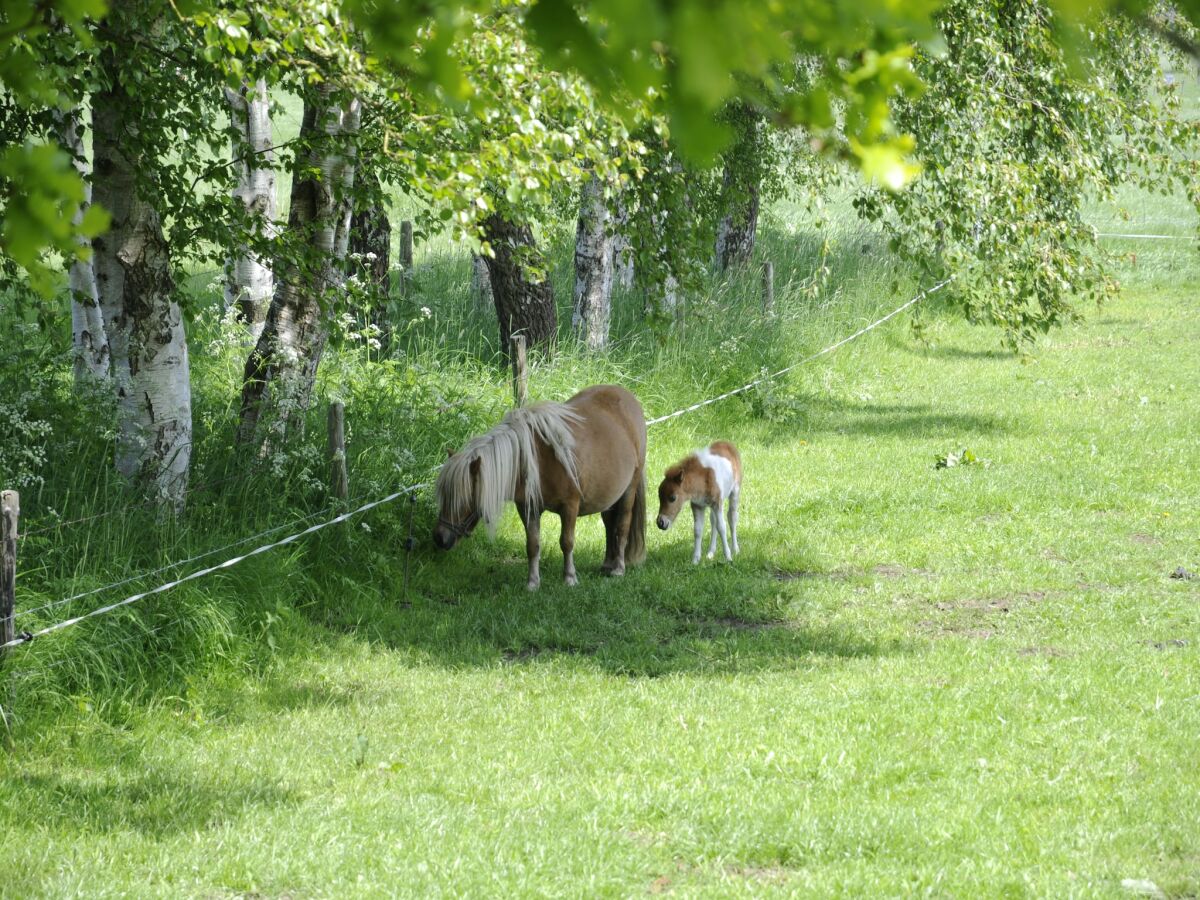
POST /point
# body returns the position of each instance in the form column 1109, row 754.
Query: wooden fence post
column 10, row 516
column 768, row 287
column 406, row 253
column 519, row 370
column 339, row 477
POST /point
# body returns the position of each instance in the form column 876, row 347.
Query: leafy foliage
column 1014, row 134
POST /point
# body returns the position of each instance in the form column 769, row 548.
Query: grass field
column 967, row 681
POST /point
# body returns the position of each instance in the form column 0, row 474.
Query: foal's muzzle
column 663, row 522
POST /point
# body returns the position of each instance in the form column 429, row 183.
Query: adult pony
column 578, row 458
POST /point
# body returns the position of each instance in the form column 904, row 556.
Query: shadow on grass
column 815, row 413
column 131, row 794
column 956, row 354
column 661, row 618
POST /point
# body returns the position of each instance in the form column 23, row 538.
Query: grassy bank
column 979, row 680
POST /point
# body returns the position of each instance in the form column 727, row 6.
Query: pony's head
column 686, row 479
column 457, row 495
column 478, row 480
column 671, row 496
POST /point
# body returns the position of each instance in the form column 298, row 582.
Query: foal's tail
column 635, row 545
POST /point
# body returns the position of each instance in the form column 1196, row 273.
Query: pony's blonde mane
column 507, row 454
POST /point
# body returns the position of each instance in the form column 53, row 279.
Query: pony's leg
column 609, row 517
column 566, row 541
column 717, row 528
column 698, row 528
column 624, row 521
column 533, row 545
column 720, row 524
column 733, row 519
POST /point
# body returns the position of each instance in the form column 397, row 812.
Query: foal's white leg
column 717, row 528
column 733, row 518
column 720, row 527
column 698, row 523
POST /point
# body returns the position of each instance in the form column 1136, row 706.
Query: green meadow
column 974, row 680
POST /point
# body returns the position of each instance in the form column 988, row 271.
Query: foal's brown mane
column 506, row 455
column 690, row 465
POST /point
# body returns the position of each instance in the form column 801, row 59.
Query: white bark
column 282, row 368
column 88, row 335
column 145, row 326
column 622, row 250
column 593, row 268
column 481, row 283
column 249, row 278
column 738, row 229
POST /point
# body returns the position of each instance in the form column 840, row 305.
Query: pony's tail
column 635, row 545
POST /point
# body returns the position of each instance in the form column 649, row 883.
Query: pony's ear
column 675, row 473
column 475, row 464
column 450, row 451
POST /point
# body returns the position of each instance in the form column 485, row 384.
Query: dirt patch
column 804, row 574
column 1100, row 588
column 646, row 838
column 734, row 623
column 523, row 655
column 1146, row 540
column 893, row 570
column 954, row 629
column 1048, row 652
column 997, row 605
column 844, row 573
column 760, row 873
column 992, row 604
column 1173, row 644
column 978, row 634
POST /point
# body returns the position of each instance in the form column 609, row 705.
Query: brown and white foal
column 707, row 479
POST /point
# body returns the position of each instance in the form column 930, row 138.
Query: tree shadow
column 663, row 617
column 817, row 413
column 953, row 353
column 132, row 794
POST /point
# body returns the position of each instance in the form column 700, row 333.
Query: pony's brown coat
column 608, row 446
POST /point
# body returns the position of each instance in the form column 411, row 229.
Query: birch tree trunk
column 658, row 279
column 740, row 189
column 137, row 298
column 89, row 340
column 622, row 250
column 249, row 278
column 371, row 242
column 738, row 228
column 523, row 305
column 282, row 368
column 593, row 268
column 481, row 283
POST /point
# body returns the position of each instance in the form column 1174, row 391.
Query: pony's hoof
column 571, row 580
column 613, row 571
column 533, row 586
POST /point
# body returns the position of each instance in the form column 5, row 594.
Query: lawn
column 970, row 681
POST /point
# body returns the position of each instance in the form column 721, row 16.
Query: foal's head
column 457, row 490
column 683, row 481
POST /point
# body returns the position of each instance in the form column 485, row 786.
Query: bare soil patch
column 1048, row 652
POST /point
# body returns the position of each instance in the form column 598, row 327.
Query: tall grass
column 442, row 379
